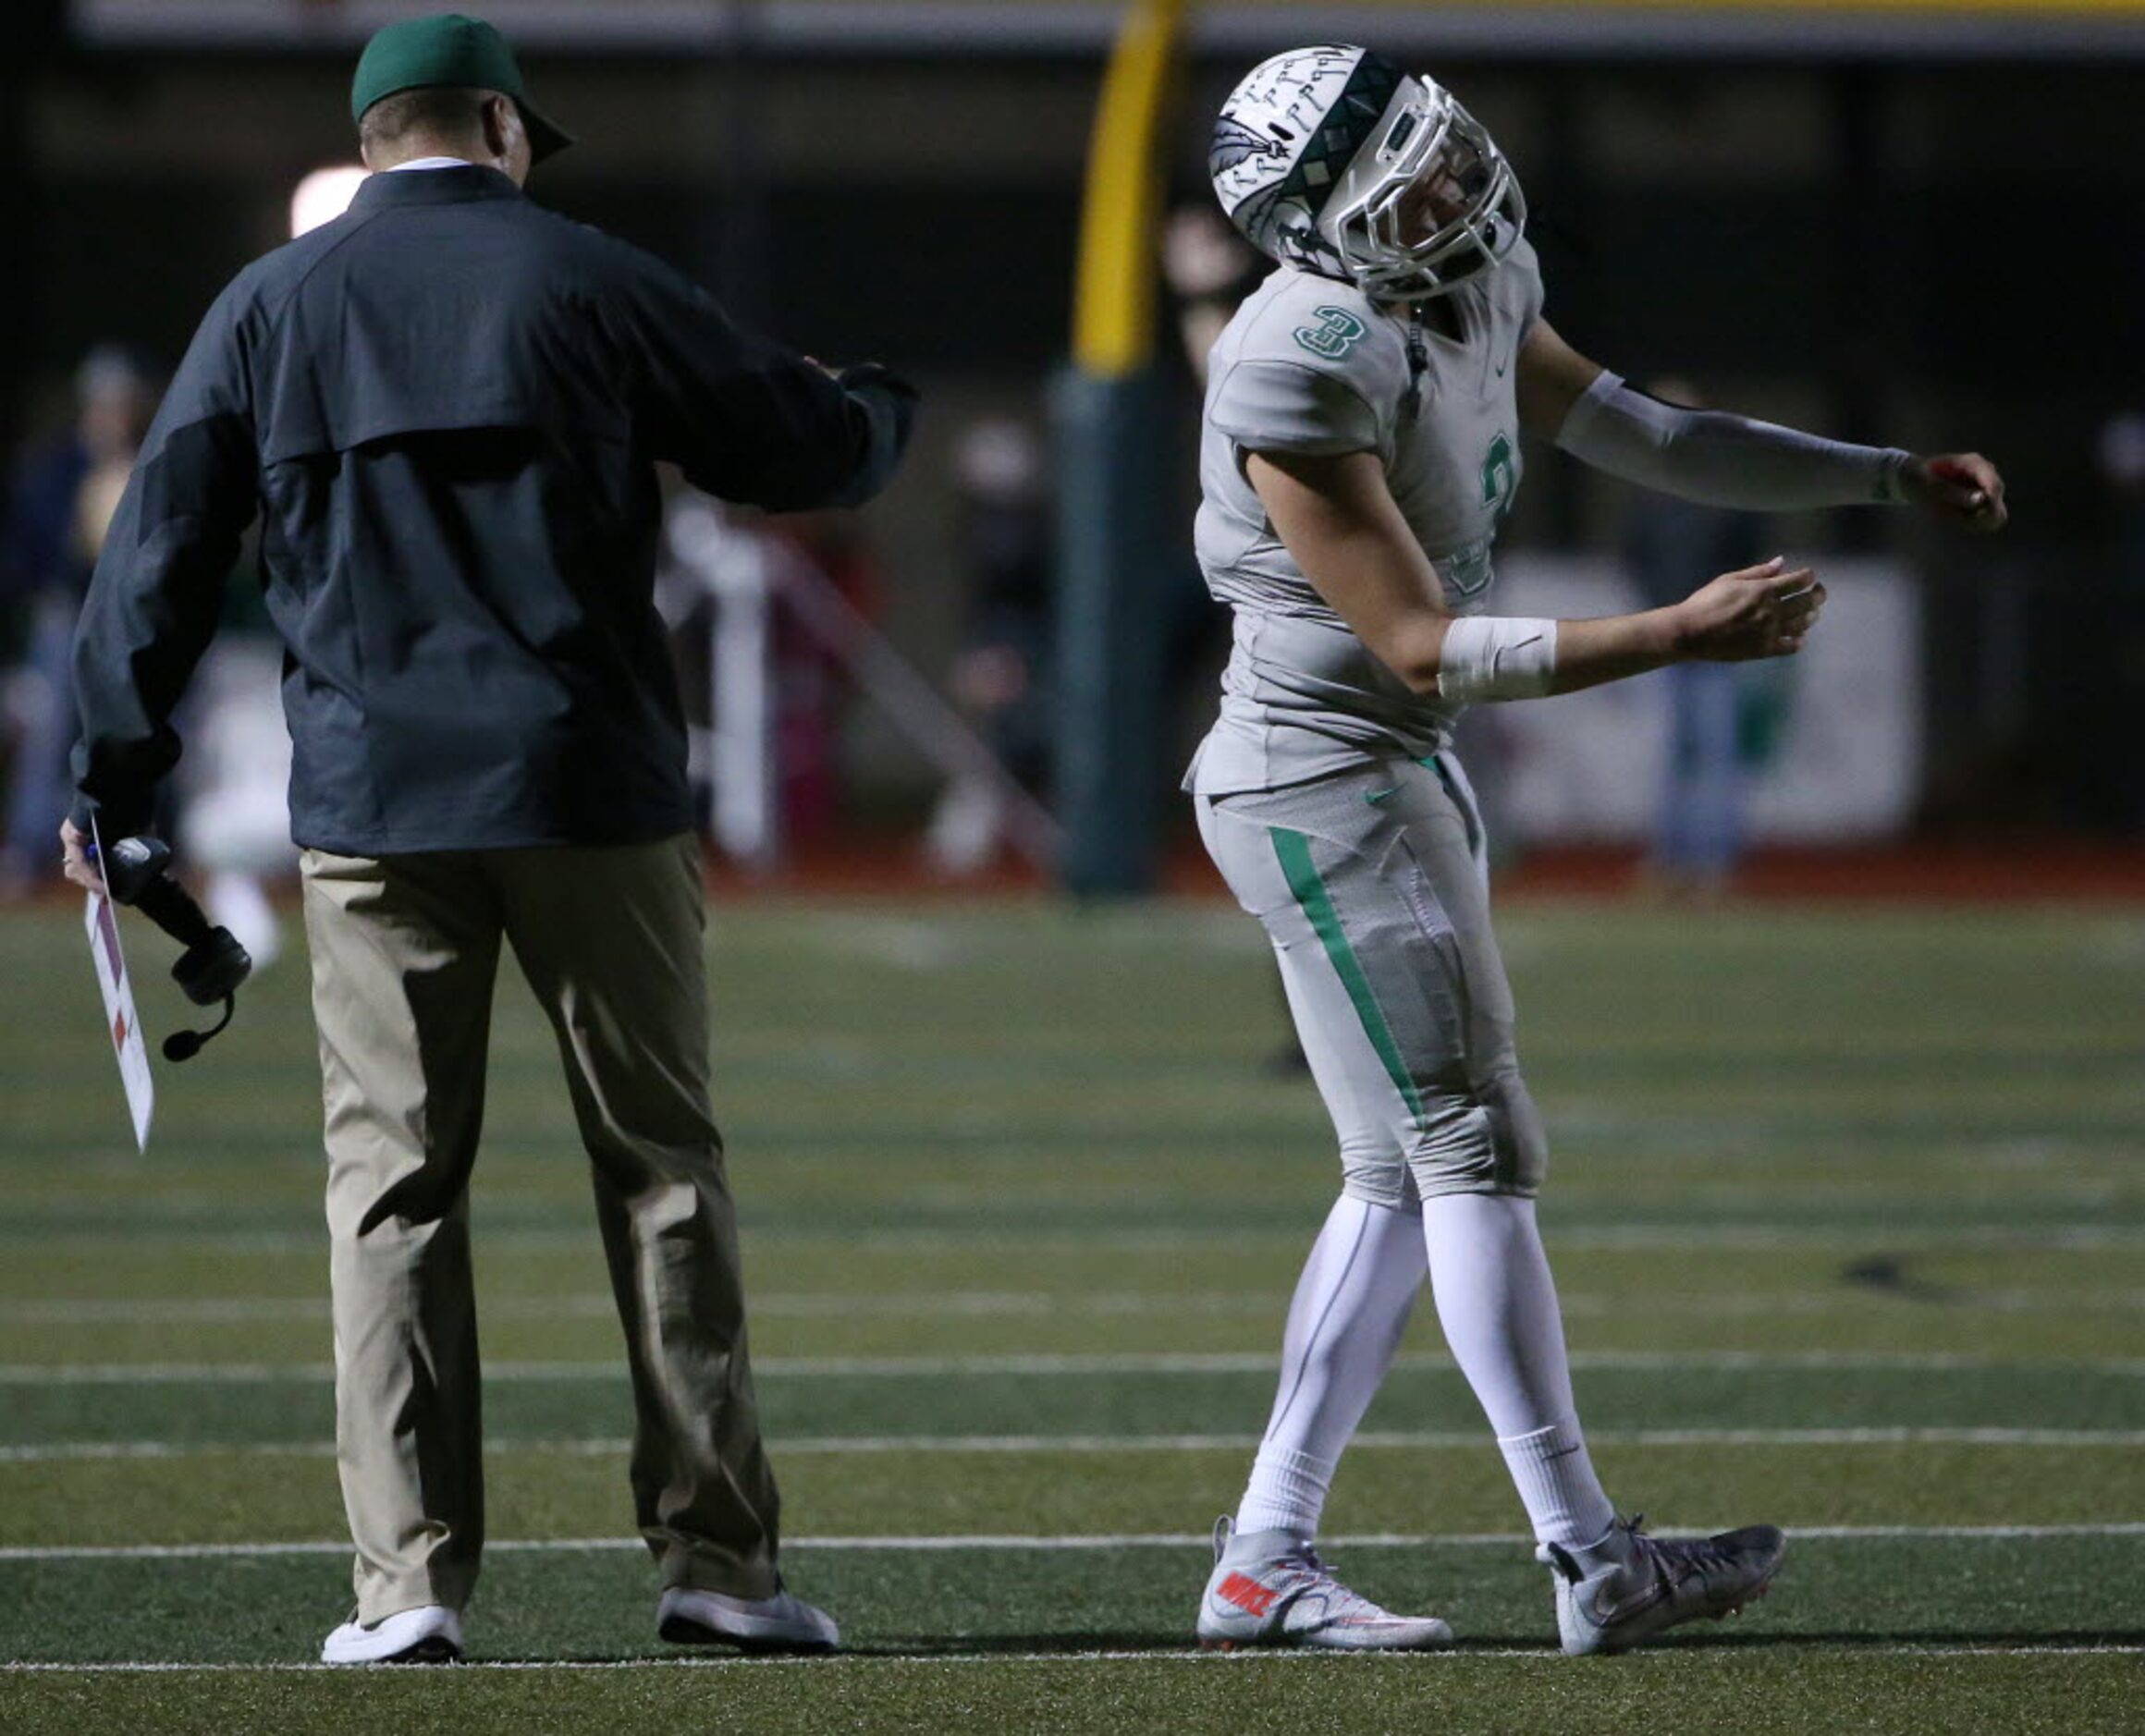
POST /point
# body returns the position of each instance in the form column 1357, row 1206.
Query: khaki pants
column 405, row 950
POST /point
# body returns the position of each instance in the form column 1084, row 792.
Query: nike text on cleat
column 1270, row 1588
column 784, row 1622
column 1611, row 1605
column 429, row 1635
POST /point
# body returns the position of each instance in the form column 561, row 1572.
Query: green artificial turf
column 1846, row 1214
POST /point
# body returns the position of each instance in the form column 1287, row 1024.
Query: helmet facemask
column 1427, row 203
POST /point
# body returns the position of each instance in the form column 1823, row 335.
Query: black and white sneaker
column 784, row 1622
column 428, row 1634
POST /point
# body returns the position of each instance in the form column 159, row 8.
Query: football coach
column 446, row 407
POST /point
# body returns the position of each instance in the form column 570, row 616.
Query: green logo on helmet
column 1335, row 334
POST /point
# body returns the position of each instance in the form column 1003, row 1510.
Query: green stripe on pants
column 1292, row 851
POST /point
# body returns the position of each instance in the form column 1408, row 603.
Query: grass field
column 1848, row 1209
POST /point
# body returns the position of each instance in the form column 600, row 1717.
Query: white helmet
column 1334, row 160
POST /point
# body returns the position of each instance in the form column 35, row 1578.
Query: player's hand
column 74, row 851
column 1959, row 486
column 1763, row 611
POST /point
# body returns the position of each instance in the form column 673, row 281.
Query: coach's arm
column 158, row 587
column 748, row 420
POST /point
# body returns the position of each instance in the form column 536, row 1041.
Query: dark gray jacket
column 446, row 407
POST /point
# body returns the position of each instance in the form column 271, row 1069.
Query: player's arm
column 1728, row 460
column 1340, row 521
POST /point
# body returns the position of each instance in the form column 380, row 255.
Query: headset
column 138, row 874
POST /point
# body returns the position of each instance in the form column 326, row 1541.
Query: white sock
column 1498, row 1305
column 1287, row 1492
column 1556, row 1483
column 1351, row 1306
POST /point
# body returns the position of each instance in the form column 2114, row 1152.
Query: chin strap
column 1418, row 359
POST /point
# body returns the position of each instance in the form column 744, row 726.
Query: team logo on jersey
column 1467, row 572
column 1336, row 334
column 1500, row 475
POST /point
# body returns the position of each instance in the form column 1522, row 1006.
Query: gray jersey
column 1311, row 365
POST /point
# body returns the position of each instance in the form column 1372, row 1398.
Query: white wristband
column 1497, row 657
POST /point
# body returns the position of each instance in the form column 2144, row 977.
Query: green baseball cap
column 449, row 48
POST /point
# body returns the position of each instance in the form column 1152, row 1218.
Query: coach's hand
column 1761, row 611
column 1960, row 485
column 73, row 855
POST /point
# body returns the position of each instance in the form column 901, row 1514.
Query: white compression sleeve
column 1722, row 459
column 1351, row 1305
column 1498, row 1305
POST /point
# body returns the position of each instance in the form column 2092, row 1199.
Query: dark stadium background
column 1934, row 235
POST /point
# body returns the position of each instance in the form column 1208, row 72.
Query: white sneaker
column 429, row 1635
column 784, row 1622
column 1610, row 1605
column 1270, row 1588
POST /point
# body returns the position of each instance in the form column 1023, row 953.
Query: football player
column 1361, row 447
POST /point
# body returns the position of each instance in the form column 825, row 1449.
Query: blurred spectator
column 2121, row 458
column 1724, row 718
column 1210, row 269
column 812, row 688
column 234, row 784
column 61, row 502
column 1001, row 677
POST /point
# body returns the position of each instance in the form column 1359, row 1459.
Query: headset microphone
column 183, row 1045
column 213, row 965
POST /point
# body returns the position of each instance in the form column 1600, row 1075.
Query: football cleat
column 1618, row 1604
column 1270, row 1588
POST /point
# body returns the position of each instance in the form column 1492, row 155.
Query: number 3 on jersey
column 1500, row 475
column 1333, row 336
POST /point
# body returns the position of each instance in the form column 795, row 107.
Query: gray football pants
column 1371, row 886
column 405, row 950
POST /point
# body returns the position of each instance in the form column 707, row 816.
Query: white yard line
column 1158, row 1362
column 811, row 1305
column 1700, row 1236
column 51, row 1452
column 927, row 1660
column 1022, row 1304
column 1005, row 1542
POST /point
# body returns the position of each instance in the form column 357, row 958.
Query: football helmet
column 1332, row 159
